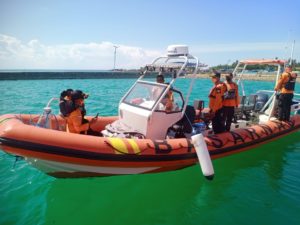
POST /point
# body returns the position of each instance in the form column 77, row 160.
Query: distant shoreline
column 51, row 75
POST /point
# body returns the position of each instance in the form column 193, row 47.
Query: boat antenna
column 287, row 45
column 115, row 55
column 292, row 53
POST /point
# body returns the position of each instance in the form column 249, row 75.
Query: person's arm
column 212, row 99
column 81, row 127
column 281, row 80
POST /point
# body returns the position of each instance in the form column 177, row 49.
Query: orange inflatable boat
column 63, row 154
column 145, row 137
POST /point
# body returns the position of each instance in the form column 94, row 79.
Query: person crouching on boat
column 216, row 104
column 75, row 121
column 286, row 86
column 231, row 100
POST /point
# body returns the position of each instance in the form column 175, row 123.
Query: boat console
column 143, row 110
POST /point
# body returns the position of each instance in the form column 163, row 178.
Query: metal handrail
column 46, row 113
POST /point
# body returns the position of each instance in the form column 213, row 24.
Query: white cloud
column 14, row 54
column 34, row 55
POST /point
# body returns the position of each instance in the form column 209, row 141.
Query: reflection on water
column 23, row 192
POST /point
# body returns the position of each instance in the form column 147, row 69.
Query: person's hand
column 294, row 75
column 93, row 120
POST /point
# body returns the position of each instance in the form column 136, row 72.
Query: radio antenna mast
column 115, row 55
column 292, row 53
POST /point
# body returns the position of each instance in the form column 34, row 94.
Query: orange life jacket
column 286, row 83
column 74, row 122
column 231, row 96
column 216, row 96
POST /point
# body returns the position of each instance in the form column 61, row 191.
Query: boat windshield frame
column 175, row 69
column 144, row 102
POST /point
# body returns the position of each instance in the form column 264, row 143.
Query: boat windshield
column 144, row 94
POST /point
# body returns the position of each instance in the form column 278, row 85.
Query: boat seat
column 249, row 106
column 246, row 107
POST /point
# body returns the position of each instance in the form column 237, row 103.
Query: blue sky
column 65, row 34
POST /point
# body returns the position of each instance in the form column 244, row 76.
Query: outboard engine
column 261, row 100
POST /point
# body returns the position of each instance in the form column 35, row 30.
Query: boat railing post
column 235, row 70
column 240, row 80
column 273, row 102
column 191, row 84
column 278, row 73
column 51, row 100
column 268, row 102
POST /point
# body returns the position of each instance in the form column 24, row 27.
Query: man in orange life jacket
column 231, row 100
column 216, row 103
column 286, row 86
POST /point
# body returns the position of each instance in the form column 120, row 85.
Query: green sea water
column 259, row 186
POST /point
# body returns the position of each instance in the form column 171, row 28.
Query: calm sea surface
column 260, row 186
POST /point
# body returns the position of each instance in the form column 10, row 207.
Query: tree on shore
column 230, row 67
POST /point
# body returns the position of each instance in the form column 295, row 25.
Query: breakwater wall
column 66, row 75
